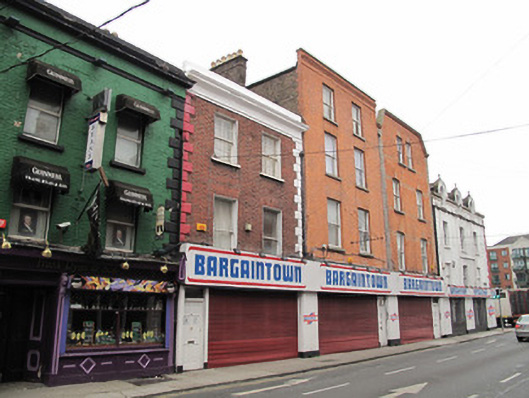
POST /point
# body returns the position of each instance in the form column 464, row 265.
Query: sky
column 446, row 68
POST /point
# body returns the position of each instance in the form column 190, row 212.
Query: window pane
column 271, row 156
column 331, row 166
column 30, row 213
column 128, row 152
column 357, row 123
column 328, row 103
column 130, row 126
column 333, row 222
column 360, row 168
column 223, row 224
column 42, row 125
column 270, row 224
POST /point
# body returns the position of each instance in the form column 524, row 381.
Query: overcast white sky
column 444, row 67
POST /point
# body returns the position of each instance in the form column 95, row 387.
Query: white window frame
column 420, row 205
column 409, row 156
column 360, row 168
column 231, row 157
column 134, row 120
column 445, row 234
column 34, row 108
column 397, row 202
column 364, row 232
column 20, row 209
column 334, row 224
column 124, row 243
column 233, row 227
column 272, row 157
column 331, row 155
column 328, row 103
column 400, row 150
column 401, row 251
column 278, row 232
column 424, row 255
column 357, row 120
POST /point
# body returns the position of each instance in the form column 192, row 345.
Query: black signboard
column 37, row 174
column 38, row 68
column 124, row 102
column 131, row 194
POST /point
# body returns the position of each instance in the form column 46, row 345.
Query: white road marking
column 289, row 383
column 415, row 389
column 491, row 341
column 446, row 359
column 479, row 350
column 510, row 378
column 399, row 371
column 473, row 396
column 326, row 389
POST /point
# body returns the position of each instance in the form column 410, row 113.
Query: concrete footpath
column 212, row 377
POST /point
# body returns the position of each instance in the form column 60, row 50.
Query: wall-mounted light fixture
column 46, row 253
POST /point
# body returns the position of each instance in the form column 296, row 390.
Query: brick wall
column 411, row 180
column 206, row 178
column 281, row 89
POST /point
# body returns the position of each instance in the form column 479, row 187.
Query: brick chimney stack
column 232, row 67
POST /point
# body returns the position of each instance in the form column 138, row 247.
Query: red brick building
column 500, row 267
column 410, row 236
column 241, row 224
column 342, row 196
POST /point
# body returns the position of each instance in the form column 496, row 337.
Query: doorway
column 22, row 332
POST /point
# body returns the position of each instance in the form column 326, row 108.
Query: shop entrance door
column 21, row 333
column 193, row 334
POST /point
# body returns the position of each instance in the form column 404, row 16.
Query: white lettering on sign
column 143, row 108
column 45, row 173
column 60, row 77
column 136, row 195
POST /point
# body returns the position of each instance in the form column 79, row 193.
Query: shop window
column 271, row 152
column 115, row 319
column 225, row 145
column 30, row 213
column 272, row 232
column 121, row 226
column 44, row 111
column 129, row 139
column 225, row 223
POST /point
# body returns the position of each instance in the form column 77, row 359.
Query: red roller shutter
column 247, row 327
column 347, row 323
column 416, row 323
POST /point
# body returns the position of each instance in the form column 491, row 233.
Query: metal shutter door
column 247, row 327
column 416, row 322
column 480, row 312
column 459, row 320
column 347, row 323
